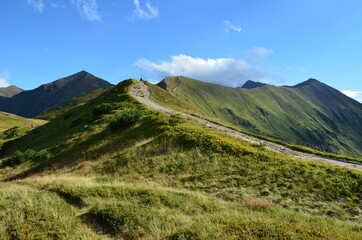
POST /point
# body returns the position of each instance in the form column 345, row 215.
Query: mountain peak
column 308, row 82
column 10, row 91
column 251, row 84
column 34, row 102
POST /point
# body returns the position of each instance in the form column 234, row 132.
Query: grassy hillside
column 12, row 126
column 28, row 213
column 310, row 114
column 138, row 174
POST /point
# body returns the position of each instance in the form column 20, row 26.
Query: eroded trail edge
column 141, row 93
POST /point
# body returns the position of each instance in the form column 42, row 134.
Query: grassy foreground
column 27, row 213
column 135, row 209
column 132, row 173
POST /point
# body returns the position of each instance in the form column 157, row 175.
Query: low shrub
column 126, row 119
column 10, row 133
column 76, row 122
column 104, row 108
column 29, row 155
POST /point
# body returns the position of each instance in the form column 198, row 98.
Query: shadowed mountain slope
column 311, row 113
column 251, row 84
column 34, row 102
column 72, row 103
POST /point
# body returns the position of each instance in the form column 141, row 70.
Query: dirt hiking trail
column 141, row 93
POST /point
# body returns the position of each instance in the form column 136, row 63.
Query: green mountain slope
column 310, row 114
column 12, row 126
column 34, row 102
column 138, row 174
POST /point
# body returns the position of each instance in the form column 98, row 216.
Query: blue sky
column 280, row 42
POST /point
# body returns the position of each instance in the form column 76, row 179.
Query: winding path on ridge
column 141, row 93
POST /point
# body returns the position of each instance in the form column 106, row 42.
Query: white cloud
column 148, row 13
column 257, row 54
column 57, row 5
column 229, row 26
column 38, row 5
column 225, row 71
column 354, row 94
column 4, row 82
column 3, row 79
column 88, row 9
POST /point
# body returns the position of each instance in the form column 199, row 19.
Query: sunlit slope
column 12, row 126
column 8, row 120
column 311, row 114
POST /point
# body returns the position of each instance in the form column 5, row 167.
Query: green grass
column 137, row 210
column 13, row 126
column 8, row 120
column 27, row 213
column 172, row 178
column 298, row 116
column 168, row 100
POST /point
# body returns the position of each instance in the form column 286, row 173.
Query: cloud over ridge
column 225, row 71
column 3, row 79
column 4, row 82
column 357, row 95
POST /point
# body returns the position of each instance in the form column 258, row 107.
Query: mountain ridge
column 10, row 91
column 251, row 84
column 34, row 102
column 311, row 113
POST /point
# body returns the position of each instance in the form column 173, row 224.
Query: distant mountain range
column 34, row 102
column 10, row 91
column 311, row 113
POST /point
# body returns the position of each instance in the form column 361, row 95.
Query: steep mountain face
column 70, row 104
column 251, row 84
column 10, row 91
column 34, row 102
column 311, row 113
